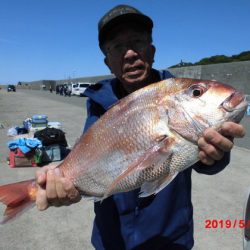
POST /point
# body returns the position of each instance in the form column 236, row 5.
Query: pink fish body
column 143, row 141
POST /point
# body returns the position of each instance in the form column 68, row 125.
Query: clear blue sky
column 57, row 39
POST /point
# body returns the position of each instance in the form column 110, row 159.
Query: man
column 124, row 221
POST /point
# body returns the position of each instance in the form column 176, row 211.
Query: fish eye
column 197, row 90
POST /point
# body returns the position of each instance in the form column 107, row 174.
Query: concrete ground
column 219, row 197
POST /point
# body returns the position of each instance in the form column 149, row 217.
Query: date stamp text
column 215, row 223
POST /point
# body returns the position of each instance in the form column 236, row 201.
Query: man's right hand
column 54, row 189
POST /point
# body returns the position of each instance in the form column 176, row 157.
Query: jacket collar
column 105, row 91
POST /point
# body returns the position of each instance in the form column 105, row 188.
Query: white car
column 81, row 87
column 74, row 88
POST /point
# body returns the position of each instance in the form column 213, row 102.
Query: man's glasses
column 138, row 45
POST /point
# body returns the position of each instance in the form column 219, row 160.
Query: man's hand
column 214, row 144
column 54, row 189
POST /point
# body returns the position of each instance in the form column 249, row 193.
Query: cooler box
column 35, row 127
column 39, row 119
column 38, row 122
column 18, row 159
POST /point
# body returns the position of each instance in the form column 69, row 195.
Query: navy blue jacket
column 161, row 221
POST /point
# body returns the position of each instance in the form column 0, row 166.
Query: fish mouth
column 236, row 101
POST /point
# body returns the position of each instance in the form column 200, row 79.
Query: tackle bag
column 53, row 153
column 50, row 136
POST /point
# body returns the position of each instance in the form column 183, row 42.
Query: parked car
column 11, row 88
column 82, row 88
column 246, row 230
column 79, row 88
column 74, row 88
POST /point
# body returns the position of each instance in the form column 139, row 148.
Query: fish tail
column 18, row 197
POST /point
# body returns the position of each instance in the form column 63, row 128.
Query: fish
column 143, row 141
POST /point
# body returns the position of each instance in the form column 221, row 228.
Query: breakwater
column 236, row 74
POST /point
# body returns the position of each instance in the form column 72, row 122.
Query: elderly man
column 125, row 221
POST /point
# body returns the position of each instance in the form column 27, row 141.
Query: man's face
column 129, row 55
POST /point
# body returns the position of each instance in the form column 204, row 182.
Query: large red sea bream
column 143, row 141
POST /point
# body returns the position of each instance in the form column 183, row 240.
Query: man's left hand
column 213, row 144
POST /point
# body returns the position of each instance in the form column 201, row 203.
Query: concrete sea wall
column 236, row 74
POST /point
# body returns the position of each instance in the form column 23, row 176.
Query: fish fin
column 18, row 197
column 150, row 158
column 154, row 187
